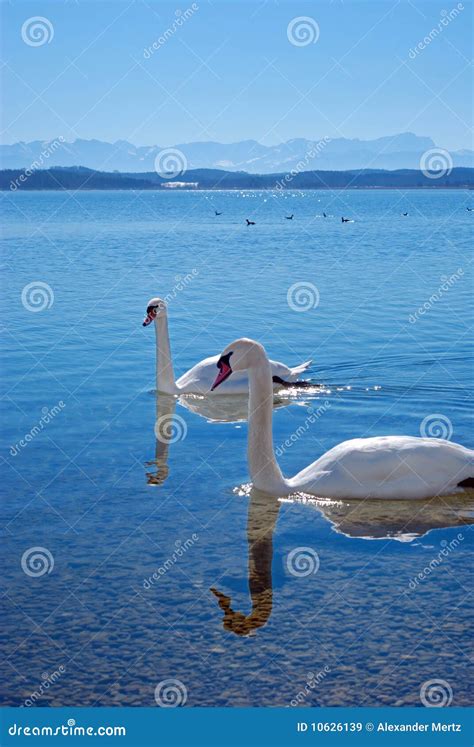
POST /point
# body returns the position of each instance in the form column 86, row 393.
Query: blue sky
column 229, row 72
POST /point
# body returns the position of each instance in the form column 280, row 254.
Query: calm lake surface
column 388, row 608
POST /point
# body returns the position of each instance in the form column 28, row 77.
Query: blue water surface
column 163, row 565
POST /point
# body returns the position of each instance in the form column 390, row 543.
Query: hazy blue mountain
column 401, row 151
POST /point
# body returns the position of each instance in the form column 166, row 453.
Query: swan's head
column 155, row 307
column 238, row 356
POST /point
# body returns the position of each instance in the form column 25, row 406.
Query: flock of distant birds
column 343, row 220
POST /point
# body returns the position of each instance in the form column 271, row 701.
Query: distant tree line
column 74, row 178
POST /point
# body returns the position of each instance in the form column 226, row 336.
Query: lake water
column 388, row 609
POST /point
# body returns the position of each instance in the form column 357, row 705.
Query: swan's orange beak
column 224, row 373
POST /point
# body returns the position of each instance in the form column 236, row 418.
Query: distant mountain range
column 81, row 178
column 402, row 151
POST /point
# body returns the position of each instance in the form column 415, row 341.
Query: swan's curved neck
column 264, row 470
column 165, row 381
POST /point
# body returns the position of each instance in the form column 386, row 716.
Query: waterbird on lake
column 345, row 220
column 250, row 222
column 405, row 214
column 470, row 209
column 215, row 211
column 289, row 217
column 382, row 467
column 199, row 378
column 324, row 215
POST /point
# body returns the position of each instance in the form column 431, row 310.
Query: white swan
column 388, row 467
column 199, row 378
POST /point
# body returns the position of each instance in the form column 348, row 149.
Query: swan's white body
column 199, row 378
column 393, row 467
column 387, row 467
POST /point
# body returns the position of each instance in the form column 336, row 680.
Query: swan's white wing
column 393, row 467
column 286, row 373
column 200, row 378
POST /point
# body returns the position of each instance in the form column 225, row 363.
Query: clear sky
column 229, row 71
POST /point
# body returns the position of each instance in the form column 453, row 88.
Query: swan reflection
column 165, row 410
column 262, row 515
column 231, row 409
column 224, row 409
column 403, row 521
column 399, row 520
